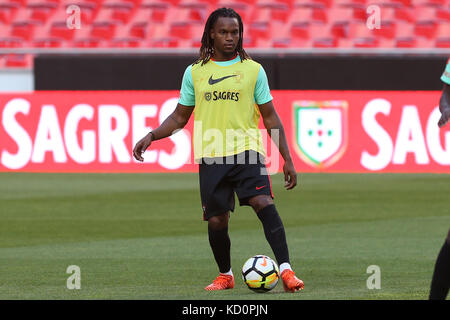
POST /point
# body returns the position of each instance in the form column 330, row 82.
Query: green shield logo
column 320, row 131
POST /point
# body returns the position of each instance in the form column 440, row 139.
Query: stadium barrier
column 327, row 131
column 310, row 70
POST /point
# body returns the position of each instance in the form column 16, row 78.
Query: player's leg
column 440, row 283
column 220, row 243
column 275, row 234
column 217, row 201
column 253, row 187
column 273, row 226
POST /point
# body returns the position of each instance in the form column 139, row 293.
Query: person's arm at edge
column 444, row 106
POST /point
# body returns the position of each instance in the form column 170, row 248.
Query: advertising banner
column 327, row 131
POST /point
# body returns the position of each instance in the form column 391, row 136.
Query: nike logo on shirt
column 212, row 81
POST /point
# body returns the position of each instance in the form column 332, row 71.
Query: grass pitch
column 141, row 236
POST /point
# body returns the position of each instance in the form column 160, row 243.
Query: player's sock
column 285, row 266
column 229, row 273
column 220, row 244
column 441, row 277
column 274, row 232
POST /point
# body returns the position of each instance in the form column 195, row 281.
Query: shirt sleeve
column 187, row 94
column 262, row 90
column 446, row 75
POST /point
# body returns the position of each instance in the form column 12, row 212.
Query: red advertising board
column 327, row 131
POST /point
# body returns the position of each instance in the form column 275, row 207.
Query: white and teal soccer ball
column 260, row 273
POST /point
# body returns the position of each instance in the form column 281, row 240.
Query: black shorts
column 244, row 174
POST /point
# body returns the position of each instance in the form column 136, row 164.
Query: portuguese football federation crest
column 320, row 131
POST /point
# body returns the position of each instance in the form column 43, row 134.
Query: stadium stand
column 179, row 24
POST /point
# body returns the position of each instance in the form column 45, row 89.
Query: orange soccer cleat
column 222, row 282
column 290, row 282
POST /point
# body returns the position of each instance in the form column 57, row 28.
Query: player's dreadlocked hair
column 207, row 48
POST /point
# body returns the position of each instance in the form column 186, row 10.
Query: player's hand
column 444, row 117
column 141, row 146
column 290, row 175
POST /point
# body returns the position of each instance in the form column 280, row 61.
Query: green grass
column 141, row 236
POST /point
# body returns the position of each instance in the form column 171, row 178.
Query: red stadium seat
column 352, row 2
column 340, row 29
column 405, row 3
column 193, row 11
column 164, row 43
column 405, row 42
column 259, row 30
column 97, row 2
column 387, row 29
column 326, row 3
column 316, row 13
column 425, row 13
column 320, row 31
column 125, row 43
column 22, row 3
column 139, row 30
column 136, row 3
column 263, row 43
column 22, row 30
column 18, row 60
column 281, row 42
column 260, row 15
column 151, row 14
column 404, row 30
column 157, row 31
column 87, row 42
column 268, row 23
column 443, row 14
column 338, row 14
column 426, row 29
column 424, row 43
column 11, row 42
column 300, row 30
column 325, row 43
column 48, row 43
column 271, row 11
column 437, row 2
column 443, row 35
column 249, row 42
column 362, row 36
column 154, row 12
column 442, row 42
column 7, row 12
column 59, row 29
column 405, row 14
column 244, row 9
column 117, row 11
column 180, row 30
column 103, row 30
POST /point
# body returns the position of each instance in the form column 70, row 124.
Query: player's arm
column 444, row 105
column 275, row 129
column 175, row 121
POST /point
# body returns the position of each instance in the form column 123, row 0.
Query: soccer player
column 229, row 92
column 440, row 282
